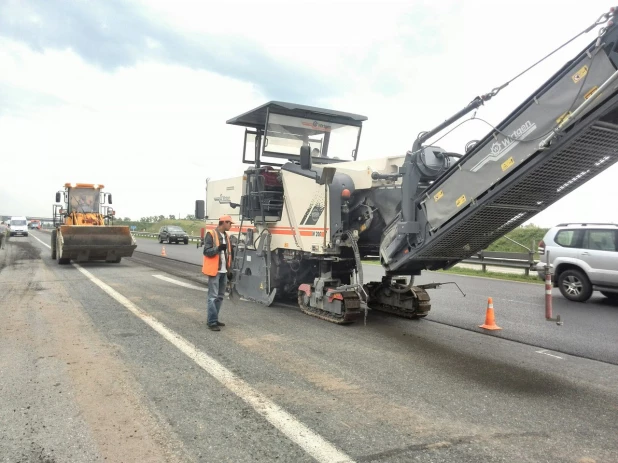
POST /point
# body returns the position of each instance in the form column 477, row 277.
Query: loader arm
column 560, row 137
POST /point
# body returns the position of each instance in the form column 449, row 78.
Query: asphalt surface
column 589, row 329
column 390, row 391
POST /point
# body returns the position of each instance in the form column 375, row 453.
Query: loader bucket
column 90, row 243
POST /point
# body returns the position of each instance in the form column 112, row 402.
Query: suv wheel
column 574, row 285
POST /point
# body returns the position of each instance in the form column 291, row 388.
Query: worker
column 88, row 204
column 75, row 203
column 4, row 231
column 216, row 266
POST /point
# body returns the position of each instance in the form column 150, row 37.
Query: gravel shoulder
column 66, row 394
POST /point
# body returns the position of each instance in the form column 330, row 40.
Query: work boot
column 214, row 328
column 220, row 324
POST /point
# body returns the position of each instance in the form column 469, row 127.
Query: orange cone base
column 490, row 327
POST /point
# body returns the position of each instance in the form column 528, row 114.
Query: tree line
column 528, row 236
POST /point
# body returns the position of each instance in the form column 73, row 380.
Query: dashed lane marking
column 544, row 352
column 190, row 286
column 180, row 283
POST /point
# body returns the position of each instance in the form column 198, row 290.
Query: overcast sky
column 135, row 94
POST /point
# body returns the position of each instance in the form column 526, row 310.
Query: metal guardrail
column 156, row 235
column 521, row 260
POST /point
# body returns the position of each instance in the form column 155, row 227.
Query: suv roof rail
column 583, row 224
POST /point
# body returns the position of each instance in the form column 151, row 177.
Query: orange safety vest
column 211, row 265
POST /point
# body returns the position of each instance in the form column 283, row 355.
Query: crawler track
column 420, row 307
column 351, row 303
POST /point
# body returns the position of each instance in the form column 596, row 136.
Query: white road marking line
column 544, row 352
column 44, row 244
column 311, row 442
column 180, row 283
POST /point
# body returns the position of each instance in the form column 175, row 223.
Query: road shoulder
column 68, row 395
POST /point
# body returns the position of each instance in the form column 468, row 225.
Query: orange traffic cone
column 490, row 321
column 163, row 252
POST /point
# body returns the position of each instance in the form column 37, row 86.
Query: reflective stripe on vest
column 211, row 265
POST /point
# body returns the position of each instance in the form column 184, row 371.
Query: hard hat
column 226, row 218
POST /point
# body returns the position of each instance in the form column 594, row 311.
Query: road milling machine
column 84, row 227
column 307, row 210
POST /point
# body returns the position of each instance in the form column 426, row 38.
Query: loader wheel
column 64, row 261
column 53, row 244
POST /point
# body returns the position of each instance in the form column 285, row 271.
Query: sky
column 134, row 94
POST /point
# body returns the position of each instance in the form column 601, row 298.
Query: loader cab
column 279, row 133
column 84, row 200
column 80, row 198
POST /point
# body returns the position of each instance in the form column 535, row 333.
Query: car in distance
column 173, row 234
column 583, row 258
column 18, row 226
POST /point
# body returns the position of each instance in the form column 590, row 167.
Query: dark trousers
column 216, row 292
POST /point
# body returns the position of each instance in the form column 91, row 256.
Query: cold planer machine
column 308, row 211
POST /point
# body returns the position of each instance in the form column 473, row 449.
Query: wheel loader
column 84, row 229
column 308, row 210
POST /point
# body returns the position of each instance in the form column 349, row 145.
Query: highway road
column 112, row 362
column 589, row 330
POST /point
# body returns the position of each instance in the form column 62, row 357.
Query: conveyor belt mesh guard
column 563, row 170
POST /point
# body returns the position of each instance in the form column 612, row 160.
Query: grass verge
column 532, row 278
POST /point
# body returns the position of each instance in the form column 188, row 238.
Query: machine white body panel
column 302, row 221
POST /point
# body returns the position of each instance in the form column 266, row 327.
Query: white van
column 18, row 226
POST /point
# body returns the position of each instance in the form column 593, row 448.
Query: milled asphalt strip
column 312, row 443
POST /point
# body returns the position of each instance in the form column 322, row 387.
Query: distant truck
column 34, row 224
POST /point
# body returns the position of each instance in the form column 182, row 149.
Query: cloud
column 135, row 94
column 19, row 102
column 117, row 34
column 150, row 133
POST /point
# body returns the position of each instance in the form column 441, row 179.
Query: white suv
column 583, row 259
